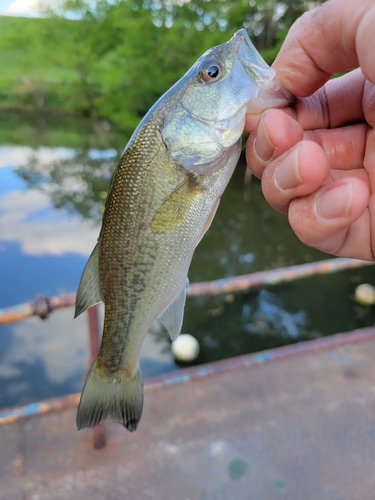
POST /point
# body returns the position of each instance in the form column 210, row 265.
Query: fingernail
column 262, row 144
column 287, row 172
column 335, row 202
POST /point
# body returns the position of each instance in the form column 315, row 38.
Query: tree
column 113, row 59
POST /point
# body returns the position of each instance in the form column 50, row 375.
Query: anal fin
column 172, row 317
column 89, row 289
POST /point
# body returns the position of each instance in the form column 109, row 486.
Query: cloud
column 60, row 343
column 18, row 156
column 53, row 235
column 26, row 8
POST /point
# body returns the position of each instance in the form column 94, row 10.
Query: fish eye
column 211, row 71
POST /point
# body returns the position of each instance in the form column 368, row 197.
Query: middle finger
column 344, row 146
column 336, row 104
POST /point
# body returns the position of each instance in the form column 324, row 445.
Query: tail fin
column 114, row 396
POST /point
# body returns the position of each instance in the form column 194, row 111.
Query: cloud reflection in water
column 43, row 250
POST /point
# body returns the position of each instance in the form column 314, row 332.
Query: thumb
column 334, row 37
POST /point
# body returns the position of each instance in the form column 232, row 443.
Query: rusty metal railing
column 43, row 306
column 157, row 382
column 273, row 276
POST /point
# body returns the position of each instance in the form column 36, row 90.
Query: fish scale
column 161, row 201
column 134, row 250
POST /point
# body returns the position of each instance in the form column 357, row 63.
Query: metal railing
column 44, row 306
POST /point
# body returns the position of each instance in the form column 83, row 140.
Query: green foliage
column 114, row 59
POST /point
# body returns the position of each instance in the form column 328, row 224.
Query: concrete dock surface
column 294, row 423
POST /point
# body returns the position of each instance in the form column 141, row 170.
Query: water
column 54, row 174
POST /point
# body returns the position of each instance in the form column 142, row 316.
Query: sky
column 19, row 7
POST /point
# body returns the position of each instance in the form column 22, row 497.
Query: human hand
column 317, row 159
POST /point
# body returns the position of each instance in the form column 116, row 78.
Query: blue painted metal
column 197, row 372
column 25, row 411
column 14, row 414
column 263, row 356
column 178, row 379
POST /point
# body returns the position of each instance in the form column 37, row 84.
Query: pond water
column 54, row 173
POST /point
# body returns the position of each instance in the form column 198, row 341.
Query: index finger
column 334, row 37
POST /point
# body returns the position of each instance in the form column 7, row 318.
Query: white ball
column 365, row 294
column 185, row 348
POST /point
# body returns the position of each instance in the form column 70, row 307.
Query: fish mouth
column 271, row 92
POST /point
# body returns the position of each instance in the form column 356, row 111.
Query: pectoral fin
column 176, row 207
column 172, row 317
column 89, row 290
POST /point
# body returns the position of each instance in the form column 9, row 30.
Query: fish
column 162, row 198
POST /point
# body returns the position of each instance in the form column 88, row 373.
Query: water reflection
column 52, row 192
column 26, row 217
column 41, row 359
column 51, row 201
column 270, row 317
column 76, row 181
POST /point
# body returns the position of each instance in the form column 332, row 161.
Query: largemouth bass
column 163, row 196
